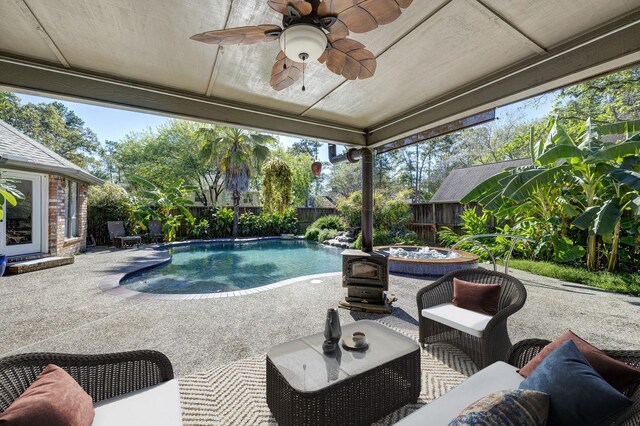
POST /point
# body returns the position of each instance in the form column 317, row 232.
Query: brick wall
column 58, row 244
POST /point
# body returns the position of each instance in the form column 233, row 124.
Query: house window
column 71, row 209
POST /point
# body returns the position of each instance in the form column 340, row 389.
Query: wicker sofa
column 128, row 388
column 502, row 376
column 484, row 338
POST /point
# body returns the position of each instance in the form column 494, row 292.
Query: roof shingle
column 19, row 148
column 459, row 182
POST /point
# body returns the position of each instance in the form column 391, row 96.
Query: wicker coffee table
column 307, row 387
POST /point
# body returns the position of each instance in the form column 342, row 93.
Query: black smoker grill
column 365, row 275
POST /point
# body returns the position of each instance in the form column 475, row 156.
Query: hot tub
column 430, row 267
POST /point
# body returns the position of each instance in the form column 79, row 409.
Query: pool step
column 25, row 266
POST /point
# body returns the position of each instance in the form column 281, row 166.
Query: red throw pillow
column 481, row 298
column 53, row 399
column 616, row 373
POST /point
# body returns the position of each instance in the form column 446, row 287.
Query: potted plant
column 10, row 193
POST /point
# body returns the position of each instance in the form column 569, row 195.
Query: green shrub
column 220, row 223
column 380, row 238
column 108, row 202
column 287, row 222
column 391, row 214
column 329, row 222
column 311, row 234
column 200, row 228
column 326, row 234
column 351, row 209
column 267, row 224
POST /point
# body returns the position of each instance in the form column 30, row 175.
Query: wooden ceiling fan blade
column 337, row 31
column 404, row 3
column 361, row 16
column 334, row 7
column 282, row 77
column 301, row 6
column 349, row 59
column 240, row 35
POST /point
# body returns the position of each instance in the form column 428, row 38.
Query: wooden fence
column 428, row 218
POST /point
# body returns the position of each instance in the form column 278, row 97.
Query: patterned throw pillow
column 506, row 408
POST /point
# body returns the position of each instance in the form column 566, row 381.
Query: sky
column 113, row 124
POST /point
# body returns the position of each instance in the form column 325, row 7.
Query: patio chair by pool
column 119, row 237
column 481, row 336
column 127, row 388
column 155, row 231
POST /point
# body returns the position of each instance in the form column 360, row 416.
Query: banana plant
column 167, row 205
column 601, row 180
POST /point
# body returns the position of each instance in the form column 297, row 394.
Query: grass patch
column 618, row 283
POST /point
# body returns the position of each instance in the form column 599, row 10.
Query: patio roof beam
column 33, row 77
column 612, row 47
column 444, row 129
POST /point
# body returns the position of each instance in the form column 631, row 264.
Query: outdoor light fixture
column 303, row 42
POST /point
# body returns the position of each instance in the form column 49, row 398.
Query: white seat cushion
column 470, row 322
column 496, row 377
column 153, row 406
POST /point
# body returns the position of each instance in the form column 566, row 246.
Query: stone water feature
column 343, row 239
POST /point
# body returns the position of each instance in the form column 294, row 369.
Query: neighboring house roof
column 19, row 151
column 459, row 182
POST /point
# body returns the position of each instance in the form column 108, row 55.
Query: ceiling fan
column 315, row 29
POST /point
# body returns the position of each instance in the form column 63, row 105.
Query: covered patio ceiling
column 441, row 60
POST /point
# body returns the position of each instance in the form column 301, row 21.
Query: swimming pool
column 229, row 266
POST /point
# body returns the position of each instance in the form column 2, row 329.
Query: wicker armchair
column 494, row 343
column 101, row 376
column 524, row 351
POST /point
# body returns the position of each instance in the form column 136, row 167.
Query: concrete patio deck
column 63, row 310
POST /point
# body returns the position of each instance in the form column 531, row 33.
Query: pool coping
column 111, row 283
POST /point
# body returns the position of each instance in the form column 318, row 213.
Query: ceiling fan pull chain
column 285, row 50
column 303, row 67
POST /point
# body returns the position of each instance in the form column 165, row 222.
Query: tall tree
column 305, row 146
column 53, row 125
column 301, row 176
column 346, row 178
column 177, row 144
column 276, row 186
column 609, row 99
column 239, row 154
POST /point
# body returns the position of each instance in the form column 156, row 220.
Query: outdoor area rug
column 235, row 394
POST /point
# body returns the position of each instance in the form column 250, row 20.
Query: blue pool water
column 221, row 267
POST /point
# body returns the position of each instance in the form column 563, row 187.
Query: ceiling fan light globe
column 303, row 39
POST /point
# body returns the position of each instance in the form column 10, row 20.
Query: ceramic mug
column 359, row 339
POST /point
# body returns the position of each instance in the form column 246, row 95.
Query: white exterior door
column 23, row 226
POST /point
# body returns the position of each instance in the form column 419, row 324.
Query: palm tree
column 239, row 153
